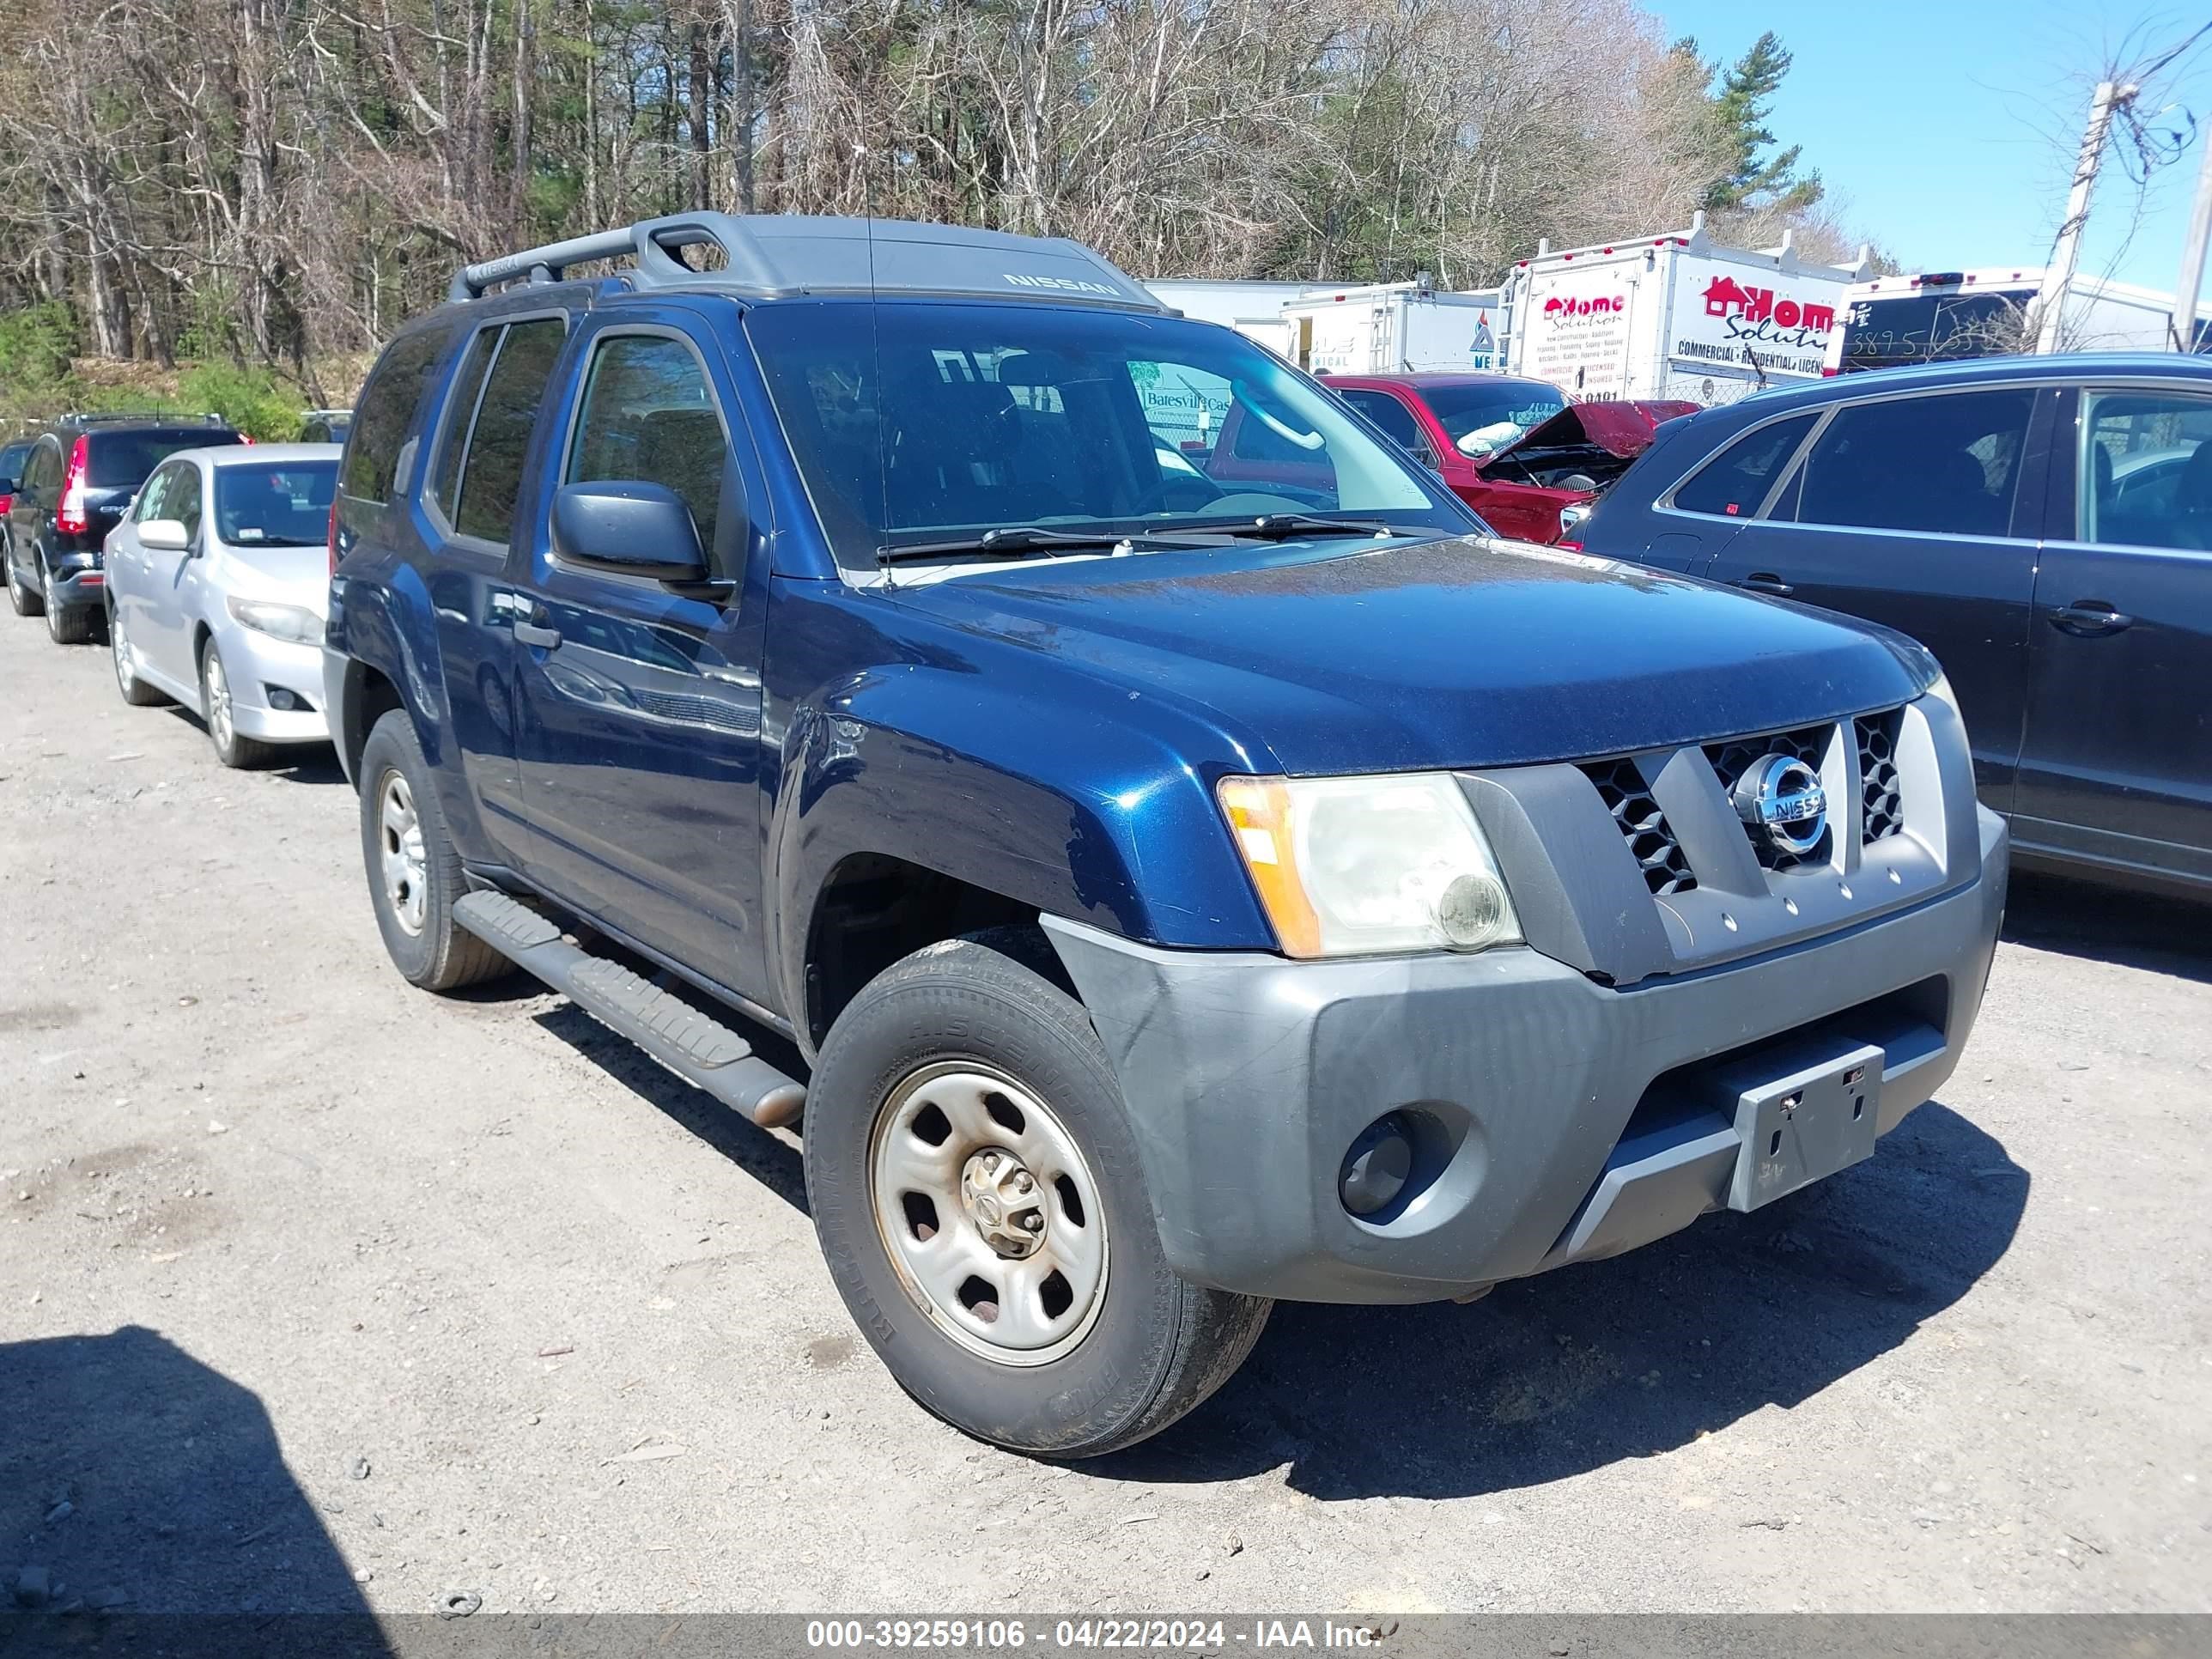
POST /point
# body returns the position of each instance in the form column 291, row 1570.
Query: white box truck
column 1253, row 309
column 1941, row 316
column 1393, row 328
column 1674, row 316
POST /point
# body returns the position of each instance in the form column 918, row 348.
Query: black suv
column 2042, row 525
column 81, row 473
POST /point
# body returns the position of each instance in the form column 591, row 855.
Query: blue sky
column 1946, row 131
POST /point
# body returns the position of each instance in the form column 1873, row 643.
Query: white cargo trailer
column 1253, row 309
column 1942, row 316
column 1674, row 316
column 1392, row 328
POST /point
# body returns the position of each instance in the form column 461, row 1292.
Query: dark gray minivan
column 2042, row 525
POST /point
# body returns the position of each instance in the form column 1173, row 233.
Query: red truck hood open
column 1621, row 428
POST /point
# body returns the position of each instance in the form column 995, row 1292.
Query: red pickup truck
column 1516, row 450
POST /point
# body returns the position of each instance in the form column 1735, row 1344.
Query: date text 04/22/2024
column 1157, row 1635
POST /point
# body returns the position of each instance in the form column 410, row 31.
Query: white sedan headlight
column 284, row 622
column 1359, row 866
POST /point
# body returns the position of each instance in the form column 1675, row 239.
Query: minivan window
column 1734, row 482
column 492, row 473
column 1946, row 464
column 118, row 460
column 2146, row 471
column 386, row 410
column 649, row 415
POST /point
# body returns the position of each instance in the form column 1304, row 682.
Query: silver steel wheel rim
column 399, row 851
column 988, row 1212
column 119, row 647
column 218, row 699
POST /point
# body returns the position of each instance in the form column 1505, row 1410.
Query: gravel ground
column 318, row 1291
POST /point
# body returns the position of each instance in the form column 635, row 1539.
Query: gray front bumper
column 1247, row 1076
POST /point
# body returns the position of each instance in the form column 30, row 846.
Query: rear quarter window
column 1734, row 482
column 386, row 414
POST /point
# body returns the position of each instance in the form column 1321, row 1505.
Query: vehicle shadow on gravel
column 1557, row 1375
column 134, row 1480
column 2159, row 934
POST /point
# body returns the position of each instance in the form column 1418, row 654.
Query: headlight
column 1354, row 866
column 284, row 622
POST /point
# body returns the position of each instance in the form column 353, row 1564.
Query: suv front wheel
column 976, row 1187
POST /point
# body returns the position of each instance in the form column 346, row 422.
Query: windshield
column 1934, row 328
column 933, row 422
column 1497, row 412
column 12, row 458
column 118, row 460
column 287, row 506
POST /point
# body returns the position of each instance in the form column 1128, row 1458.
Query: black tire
column 1157, row 1345
column 437, row 954
column 231, row 748
column 22, row 597
column 136, row 692
column 66, row 624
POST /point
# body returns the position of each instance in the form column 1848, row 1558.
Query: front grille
column 1881, row 809
column 1731, row 760
column 1643, row 826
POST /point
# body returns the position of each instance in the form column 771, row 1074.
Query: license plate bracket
column 1814, row 1118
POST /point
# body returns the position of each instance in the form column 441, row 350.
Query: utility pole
column 2183, row 323
column 2050, row 302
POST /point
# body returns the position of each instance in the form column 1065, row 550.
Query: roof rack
column 119, row 417
column 771, row 256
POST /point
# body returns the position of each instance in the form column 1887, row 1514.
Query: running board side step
column 694, row 1046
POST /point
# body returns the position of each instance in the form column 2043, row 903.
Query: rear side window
column 1946, row 464
column 649, row 415
column 491, row 471
column 118, row 460
column 385, row 412
column 1734, row 482
column 460, row 415
column 1387, row 412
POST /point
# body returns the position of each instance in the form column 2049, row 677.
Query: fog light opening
column 283, row 700
column 1378, row 1166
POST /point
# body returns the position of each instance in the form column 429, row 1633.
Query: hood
column 1622, row 429
column 288, row 575
column 1323, row 657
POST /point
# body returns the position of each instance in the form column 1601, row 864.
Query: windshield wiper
column 1280, row 527
column 1012, row 541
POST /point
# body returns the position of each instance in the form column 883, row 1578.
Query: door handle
column 2087, row 618
column 545, row 639
column 1765, row 582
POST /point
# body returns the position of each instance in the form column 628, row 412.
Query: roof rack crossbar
column 652, row 243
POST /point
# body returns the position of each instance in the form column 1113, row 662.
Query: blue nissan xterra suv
column 1178, row 894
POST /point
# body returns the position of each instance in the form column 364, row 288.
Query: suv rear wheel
column 66, row 624
column 414, row 871
column 976, row 1187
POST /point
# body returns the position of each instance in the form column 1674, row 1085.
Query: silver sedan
column 218, row 581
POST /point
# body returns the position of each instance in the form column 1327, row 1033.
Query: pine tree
column 1746, row 96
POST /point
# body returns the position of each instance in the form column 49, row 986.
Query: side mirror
column 165, row 535
column 629, row 529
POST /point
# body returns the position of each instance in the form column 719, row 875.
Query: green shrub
column 36, row 344
column 249, row 398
